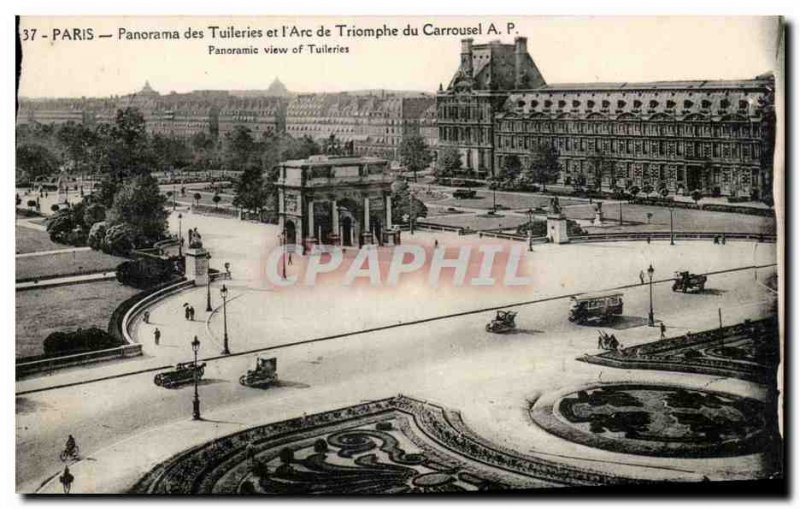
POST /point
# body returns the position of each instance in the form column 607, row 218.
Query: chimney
column 466, row 57
column 520, row 52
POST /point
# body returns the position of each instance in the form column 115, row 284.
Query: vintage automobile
column 183, row 373
column 686, row 281
column 464, row 193
column 503, row 322
column 266, row 373
column 597, row 307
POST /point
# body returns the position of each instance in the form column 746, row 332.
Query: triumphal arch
column 336, row 200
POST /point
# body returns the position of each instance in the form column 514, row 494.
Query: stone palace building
column 714, row 136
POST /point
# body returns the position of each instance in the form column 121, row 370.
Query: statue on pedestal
column 555, row 207
column 195, row 240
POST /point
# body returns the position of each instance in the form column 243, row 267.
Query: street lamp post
column 208, row 284
column 411, row 207
column 671, row 229
column 283, row 258
column 180, row 234
column 650, row 319
column 196, row 402
column 224, row 293
column 530, row 230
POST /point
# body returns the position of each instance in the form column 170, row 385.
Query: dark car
column 464, row 193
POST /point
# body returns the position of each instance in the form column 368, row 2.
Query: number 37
column 28, row 34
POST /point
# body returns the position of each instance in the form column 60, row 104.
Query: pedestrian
column 227, row 270
column 66, row 480
column 157, row 336
column 290, row 257
column 641, row 276
column 186, row 311
column 191, row 313
column 146, row 317
column 723, row 239
column 436, row 243
column 663, row 330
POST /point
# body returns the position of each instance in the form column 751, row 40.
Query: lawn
column 634, row 218
column 32, row 241
column 62, row 264
column 485, row 200
column 64, row 308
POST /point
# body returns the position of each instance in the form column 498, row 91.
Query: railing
column 64, row 361
column 665, row 235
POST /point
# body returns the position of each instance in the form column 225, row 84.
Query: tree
column 119, row 240
column 79, row 143
column 169, row 152
column 140, row 206
column 405, row 206
column 36, row 161
column 240, row 148
column 197, row 197
column 634, row 190
column 448, row 163
column 97, row 235
column 415, row 154
column 696, row 196
column 251, row 190
column 216, row 199
column 511, row 168
column 600, row 166
column 124, row 152
column 544, row 166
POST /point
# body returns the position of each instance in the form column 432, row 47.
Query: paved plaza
column 339, row 347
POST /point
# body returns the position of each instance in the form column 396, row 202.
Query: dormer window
column 534, row 104
column 590, row 104
column 724, row 104
column 620, row 104
column 743, row 105
column 653, row 104
column 670, row 105
column 548, row 103
column 521, row 103
column 706, row 104
column 637, row 104
column 576, row 104
column 561, row 104
column 687, row 104
column 606, row 104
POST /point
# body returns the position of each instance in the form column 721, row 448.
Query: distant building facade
column 376, row 123
column 684, row 135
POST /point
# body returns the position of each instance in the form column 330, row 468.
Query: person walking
column 157, row 336
column 191, row 313
column 146, row 317
column 186, row 311
column 436, row 243
column 663, row 330
column 641, row 276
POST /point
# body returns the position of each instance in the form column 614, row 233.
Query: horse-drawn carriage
column 266, row 373
column 503, row 322
column 184, row 372
column 686, row 281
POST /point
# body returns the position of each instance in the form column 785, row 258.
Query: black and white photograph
column 399, row 255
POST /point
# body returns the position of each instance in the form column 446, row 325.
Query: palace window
column 576, row 104
column 743, row 104
column 561, row 104
column 637, row 104
column 620, row 104
column 653, row 104
column 606, row 105
column 534, row 104
column 687, row 104
column 724, row 104
column 590, row 104
column 705, row 104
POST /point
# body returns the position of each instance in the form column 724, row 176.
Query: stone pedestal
column 557, row 229
column 197, row 265
column 598, row 218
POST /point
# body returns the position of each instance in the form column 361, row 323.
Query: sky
column 566, row 49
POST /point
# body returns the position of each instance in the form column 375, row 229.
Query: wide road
column 450, row 360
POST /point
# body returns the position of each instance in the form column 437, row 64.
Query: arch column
column 335, row 218
column 388, row 211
